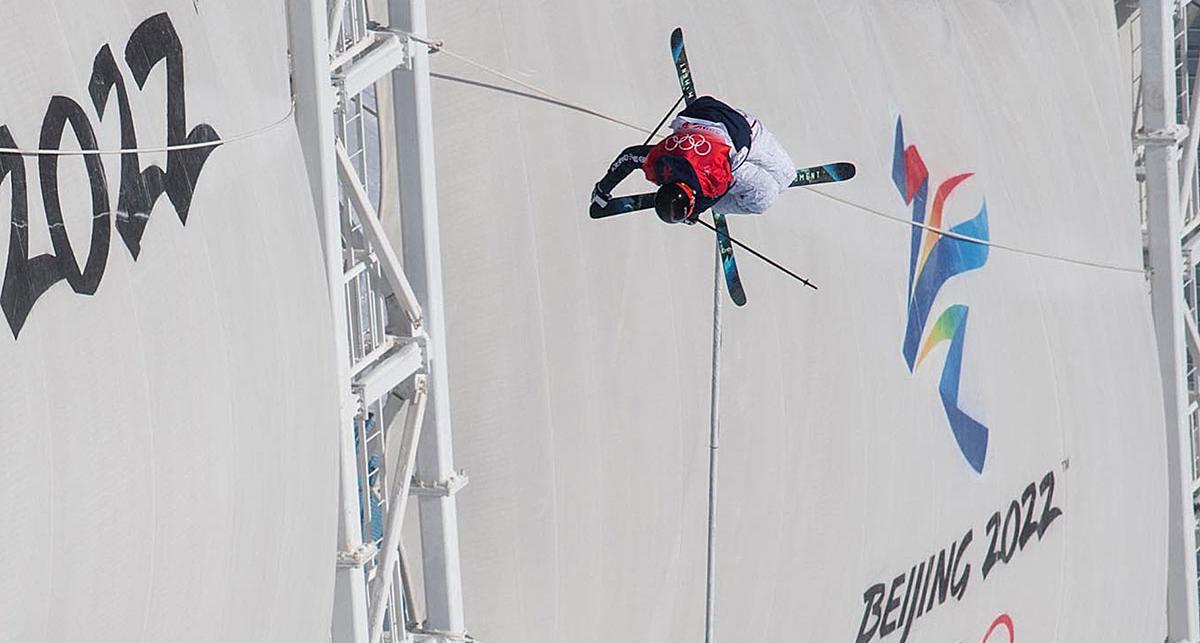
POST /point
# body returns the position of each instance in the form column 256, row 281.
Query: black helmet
column 674, row 202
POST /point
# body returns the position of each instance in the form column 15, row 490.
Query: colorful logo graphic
column 935, row 258
column 1003, row 620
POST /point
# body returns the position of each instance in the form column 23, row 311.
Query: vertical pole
column 422, row 264
column 308, row 31
column 1187, row 173
column 714, row 422
column 1165, row 222
column 397, row 503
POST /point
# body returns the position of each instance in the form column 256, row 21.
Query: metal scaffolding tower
column 1169, row 169
column 363, row 110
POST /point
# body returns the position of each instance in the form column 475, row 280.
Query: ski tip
column 739, row 298
column 597, row 212
column 842, row 171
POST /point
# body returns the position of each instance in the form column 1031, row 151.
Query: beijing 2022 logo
column 933, row 259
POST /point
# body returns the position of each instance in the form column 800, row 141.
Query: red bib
column 705, row 152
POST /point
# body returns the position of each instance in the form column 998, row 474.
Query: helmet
column 674, row 202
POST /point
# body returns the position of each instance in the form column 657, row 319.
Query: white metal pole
column 335, row 19
column 714, row 422
column 1164, row 223
column 1189, row 150
column 401, row 475
column 389, row 263
column 423, row 265
column 308, row 31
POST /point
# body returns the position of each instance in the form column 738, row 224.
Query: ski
column 815, row 175
column 622, row 205
column 732, row 281
column 687, row 85
column 830, row 173
column 679, row 57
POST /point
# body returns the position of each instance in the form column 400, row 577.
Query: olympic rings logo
column 685, row 142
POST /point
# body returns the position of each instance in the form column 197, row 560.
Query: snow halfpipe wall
column 167, row 401
column 948, row 441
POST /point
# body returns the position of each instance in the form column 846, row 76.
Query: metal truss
column 395, row 434
column 1170, row 185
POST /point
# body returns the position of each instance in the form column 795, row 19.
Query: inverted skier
column 716, row 157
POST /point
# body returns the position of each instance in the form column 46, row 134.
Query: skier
column 716, row 157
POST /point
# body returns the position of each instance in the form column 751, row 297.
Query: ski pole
column 758, row 254
column 664, row 120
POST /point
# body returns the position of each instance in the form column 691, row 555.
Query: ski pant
column 759, row 180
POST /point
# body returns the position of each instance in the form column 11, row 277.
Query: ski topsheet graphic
column 733, row 282
column 679, row 57
column 830, row 173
